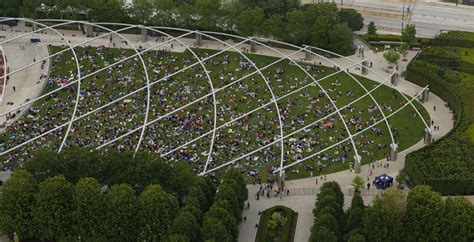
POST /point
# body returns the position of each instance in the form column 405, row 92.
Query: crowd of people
column 174, row 128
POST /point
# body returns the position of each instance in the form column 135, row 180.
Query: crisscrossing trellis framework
column 204, row 97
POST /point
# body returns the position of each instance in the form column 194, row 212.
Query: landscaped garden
column 246, row 117
column 447, row 165
column 277, row 224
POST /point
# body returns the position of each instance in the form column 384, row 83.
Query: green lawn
column 245, row 135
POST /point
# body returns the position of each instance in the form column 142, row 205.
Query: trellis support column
column 144, row 34
column 393, row 152
column 198, row 39
column 394, row 79
column 428, row 136
column 357, row 163
column 35, row 26
column 364, row 68
column 425, row 95
column 281, row 181
column 253, row 46
column 307, row 55
column 89, row 30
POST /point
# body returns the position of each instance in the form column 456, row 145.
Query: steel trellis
column 213, row 92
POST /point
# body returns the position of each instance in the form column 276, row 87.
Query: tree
column 17, row 201
column 391, row 56
column 177, row 238
column 456, row 218
column 122, row 221
column 354, row 220
column 352, row 18
column 409, row 34
column 322, row 235
column 229, row 222
column 165, row 11
column 371, row 29
column 185, row 224
column 250, row 21
column 209, row 12
column 273, row 25
column 340, row 39
column 88, row 212
column 52, row 214
column 10, row 8
column 141, row 11
column 387, row 214
column 328, row 221
column 403, row 50
column 358, row 183
column 357, row 201
column 357, row 238
column 157, row 210
column 214, row 229
column 423, row 214
column 331, row 188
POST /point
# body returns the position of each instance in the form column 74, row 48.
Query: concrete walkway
column 301, row 204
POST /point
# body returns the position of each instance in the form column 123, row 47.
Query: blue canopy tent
column 383, row 181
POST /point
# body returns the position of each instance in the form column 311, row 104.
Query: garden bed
column 284, row 225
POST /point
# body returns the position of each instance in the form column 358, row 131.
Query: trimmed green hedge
column 393, row 38
column 455, row 38
column 262, row 233
column 446, row 165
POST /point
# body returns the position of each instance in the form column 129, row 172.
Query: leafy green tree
column 240, row 185
column 186, row 224
column 273, row 25
column 209, row 12
column 352, row 18
column 340, row 37
column 456, row 218
column 371, row 29
column 354, row 220
column 423, row 214
column 157, row 210
column 166, row 9
column 88, row 209
column 122, row 222
column 328, row 201
column 52, row 214
column 356, row 238
column 177, row 238
column 357, row 201
column 141, row 11
column 17, row 201
column 227, row 192
column 229, row 222
column 214, row 229
column 409, row 34
column 357, row 183
column 331, row 188
column 298, row 27
column 387, row 214
column 391, row 56
column 44, row 164
column 403, row 51
column 328, row 221
column 322, row 234
column 10, row 8
column 250, row 21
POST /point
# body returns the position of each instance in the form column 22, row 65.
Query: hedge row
column 454, row 38
column 393, row 38
column 446, row 165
